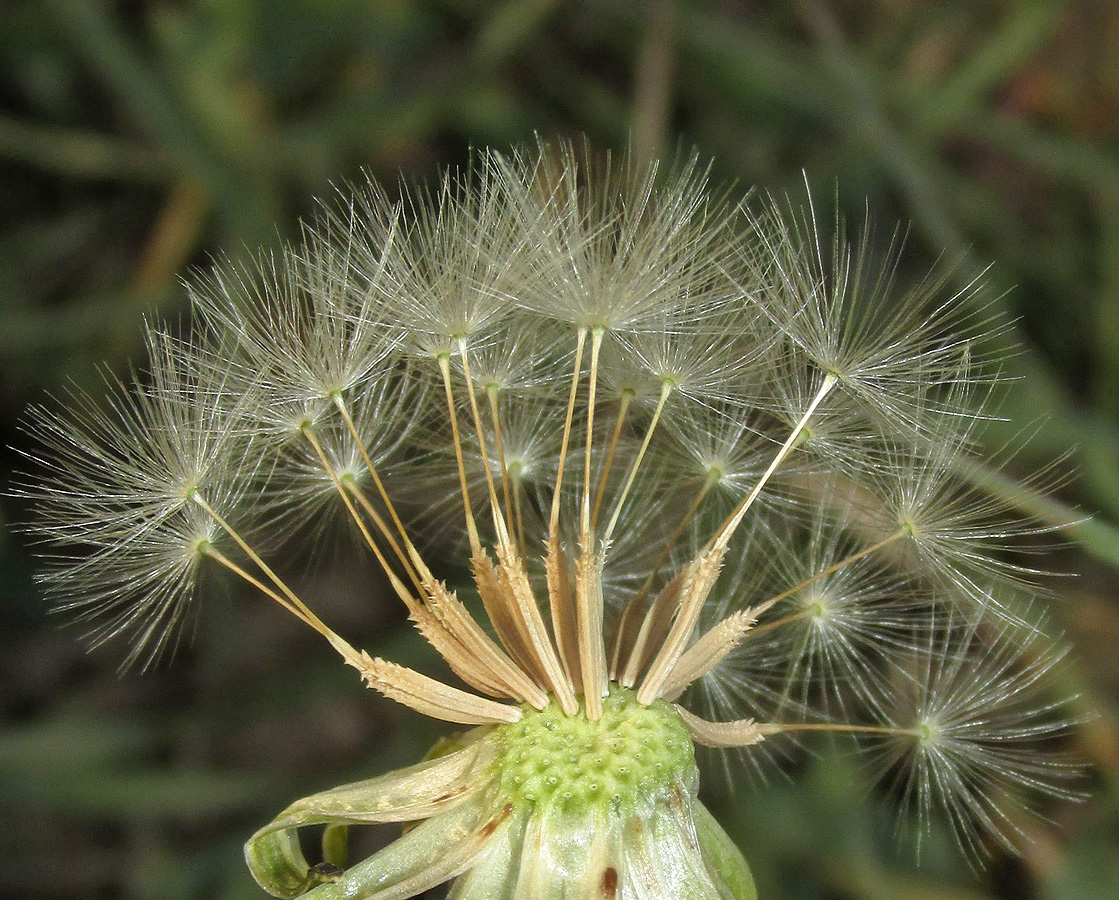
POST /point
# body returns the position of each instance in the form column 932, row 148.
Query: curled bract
column 551, row 806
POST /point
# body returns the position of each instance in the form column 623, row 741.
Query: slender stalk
column 666, row 389
column 553, row 523
column 471, row 527
column 823, row 573
column 838, row 727
column 499, row 523
column 623, row 408
column 215, row 554
column 585, row 508
column 777, row 623
column 495, row 419
column 370, row 510
column 723, row 535
column 653, row 80
column 518, row 513
column 698, row 580
column 313, row 440
column 341, row 406
column 394, row 579
column 511, row 565
column 307, row 615
column 588, row 594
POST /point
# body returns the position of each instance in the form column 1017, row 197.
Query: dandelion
column 702, row 464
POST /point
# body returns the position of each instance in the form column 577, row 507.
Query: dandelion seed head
column 706, row 462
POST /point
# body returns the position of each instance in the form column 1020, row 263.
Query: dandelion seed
column 701, row 464
column 970, row 709
column 125, row 537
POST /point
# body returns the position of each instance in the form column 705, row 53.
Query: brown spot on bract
column 492, row 824
column 610, row 883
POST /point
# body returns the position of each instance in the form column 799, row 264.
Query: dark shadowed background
column 139, row 138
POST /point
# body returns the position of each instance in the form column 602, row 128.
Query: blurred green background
column 137, row 138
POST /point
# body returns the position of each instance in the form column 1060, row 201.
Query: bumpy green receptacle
column 631, row 754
